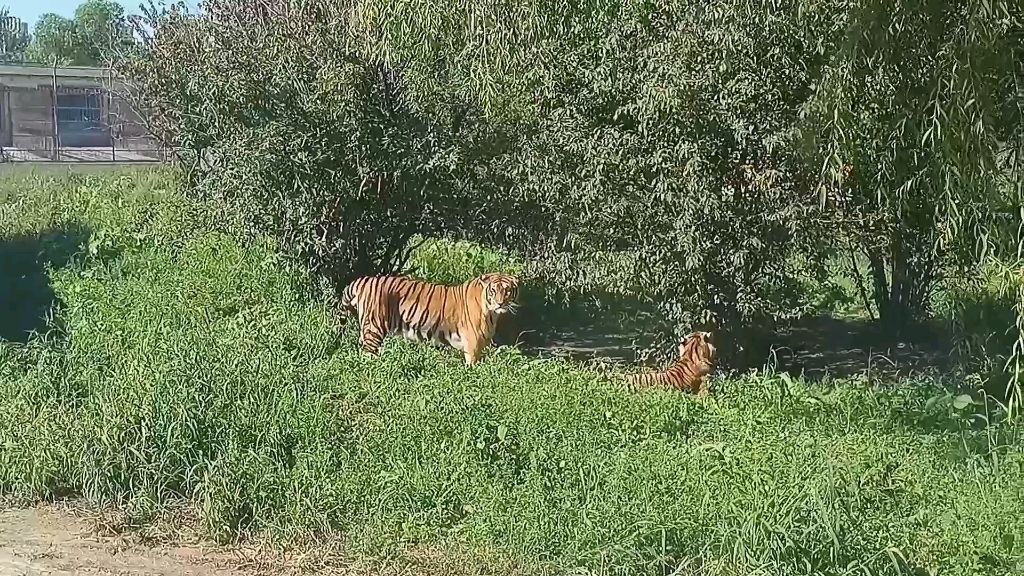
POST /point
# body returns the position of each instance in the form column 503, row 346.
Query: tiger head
column 697, row 348
column 500, row 292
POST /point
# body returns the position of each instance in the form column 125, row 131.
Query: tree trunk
column 901, row 286
column 880, row 284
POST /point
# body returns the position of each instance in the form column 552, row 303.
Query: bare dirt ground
column 48, row 541
column 68, row 540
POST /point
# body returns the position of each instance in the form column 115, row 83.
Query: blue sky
column 30, row 10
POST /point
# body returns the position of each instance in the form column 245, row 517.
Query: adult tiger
column 462, row 316
column 697, row 357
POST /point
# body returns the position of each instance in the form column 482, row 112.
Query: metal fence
column 72, row 125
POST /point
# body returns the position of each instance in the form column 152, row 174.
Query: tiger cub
column 697, row 357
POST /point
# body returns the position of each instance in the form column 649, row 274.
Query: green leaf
column 962, row 401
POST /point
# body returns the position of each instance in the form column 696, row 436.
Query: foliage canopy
column 676, row 152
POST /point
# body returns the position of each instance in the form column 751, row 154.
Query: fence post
column 53, row 108
column 110, row 127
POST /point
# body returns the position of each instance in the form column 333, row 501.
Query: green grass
column 186, row 365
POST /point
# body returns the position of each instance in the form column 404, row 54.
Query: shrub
column 312, row 141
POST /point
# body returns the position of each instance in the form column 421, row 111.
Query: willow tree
column 923, row 100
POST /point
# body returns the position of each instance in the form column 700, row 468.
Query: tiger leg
column 371, row 334
column 472, row 349
column 703, row 390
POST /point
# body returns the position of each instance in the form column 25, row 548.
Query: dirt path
column 60, row 540
column 48, row 542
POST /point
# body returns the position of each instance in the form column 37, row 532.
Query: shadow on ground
column 613, row 330
column 819, row 347
column 605, row 328
column 27, row 299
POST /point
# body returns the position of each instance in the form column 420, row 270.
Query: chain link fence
column 74, row 119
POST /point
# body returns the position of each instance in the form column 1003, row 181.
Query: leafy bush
column 311, row 141
column 660, row 143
